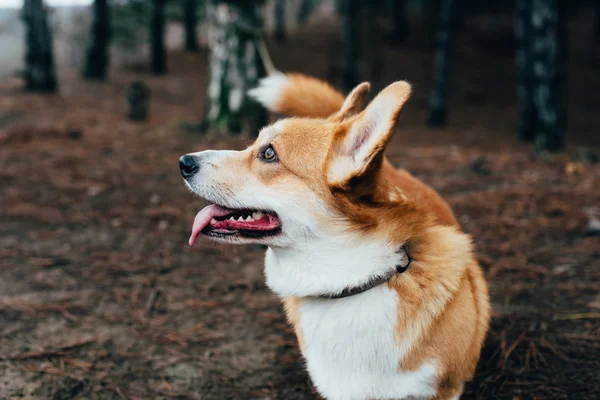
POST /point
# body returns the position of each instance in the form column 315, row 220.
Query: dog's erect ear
column 352, row 104
column 366, row 135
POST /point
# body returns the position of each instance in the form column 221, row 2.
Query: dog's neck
column 327, row 267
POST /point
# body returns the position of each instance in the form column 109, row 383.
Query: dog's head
column 302, row 178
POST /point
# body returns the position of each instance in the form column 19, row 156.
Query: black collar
column 401, row 267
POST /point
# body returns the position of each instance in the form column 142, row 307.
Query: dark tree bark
column 305, row 8
column 280, row 20
column 39, row 74
column 438, row 113
column 597, row 21
column 458, row 16
column 97, row 55
column 401, row 28
column 351, row 42
column 524, row 58
column 549, row 22
column 235, row 67
column 375, row 8
column 541, row 60
column 190, row 21
column 158, row 54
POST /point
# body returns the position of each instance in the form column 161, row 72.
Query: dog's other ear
column 362, row 141
column 352, row 104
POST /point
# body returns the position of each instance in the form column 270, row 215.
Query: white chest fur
column 351, row 350
column 350, row 346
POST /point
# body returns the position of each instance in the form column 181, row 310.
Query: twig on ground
column 571, row 317
column 119, row 392
column 506, row 354
column 49, row 370
column 195, row 303
column 152, row 297
column 48, row 353
column 582, row 337
column 78, row 364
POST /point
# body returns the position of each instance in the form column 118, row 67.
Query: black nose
column 188, row 166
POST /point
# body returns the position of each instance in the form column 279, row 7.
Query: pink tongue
column 203, row 219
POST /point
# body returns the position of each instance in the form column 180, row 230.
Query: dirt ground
column 101, row 298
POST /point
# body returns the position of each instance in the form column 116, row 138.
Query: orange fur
column 309, row 97
column 418, row 192
column 445, row 298
column 304, row 96
column 291, row 306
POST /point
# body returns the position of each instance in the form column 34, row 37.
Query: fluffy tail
column 297, row 95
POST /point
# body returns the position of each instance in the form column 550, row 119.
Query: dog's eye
column 268, row 154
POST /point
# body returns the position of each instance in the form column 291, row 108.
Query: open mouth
column 220, row 222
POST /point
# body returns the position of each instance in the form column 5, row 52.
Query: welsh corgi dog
column 379, row 283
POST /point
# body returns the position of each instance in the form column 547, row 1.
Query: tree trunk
column 97, row 55
column 305, row 8
column 401, row 28
column 280, row 20
column 541, row 61
column 39, row 74
column 375, row 8
column 235, row 67
column 351, row 42
column 597, row 21
column 190, row 22
column 458, row 16
column 549, row 72
column 523, row 31
column 438, row 113
column 158, row 56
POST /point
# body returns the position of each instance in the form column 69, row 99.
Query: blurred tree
column 39, row 74
column 523, row 28
column 96, row 59
column 350, row 10
column 158, row 54
column 458, row 15
column 279, row 20
column 438, row 113
column 235, row 66
column 598, row 21
column 541, row 34
column 130, row 20
column 305, row 8
column 401, row 28
column 190, row 20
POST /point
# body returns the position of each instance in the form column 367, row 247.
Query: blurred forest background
column 101, row 298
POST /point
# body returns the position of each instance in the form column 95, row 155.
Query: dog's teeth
column 213, row 221
column 231, row 219
column 258, row 214
column 240, row 218
column 249, row 219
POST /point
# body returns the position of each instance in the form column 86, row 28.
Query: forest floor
column 101, row 298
